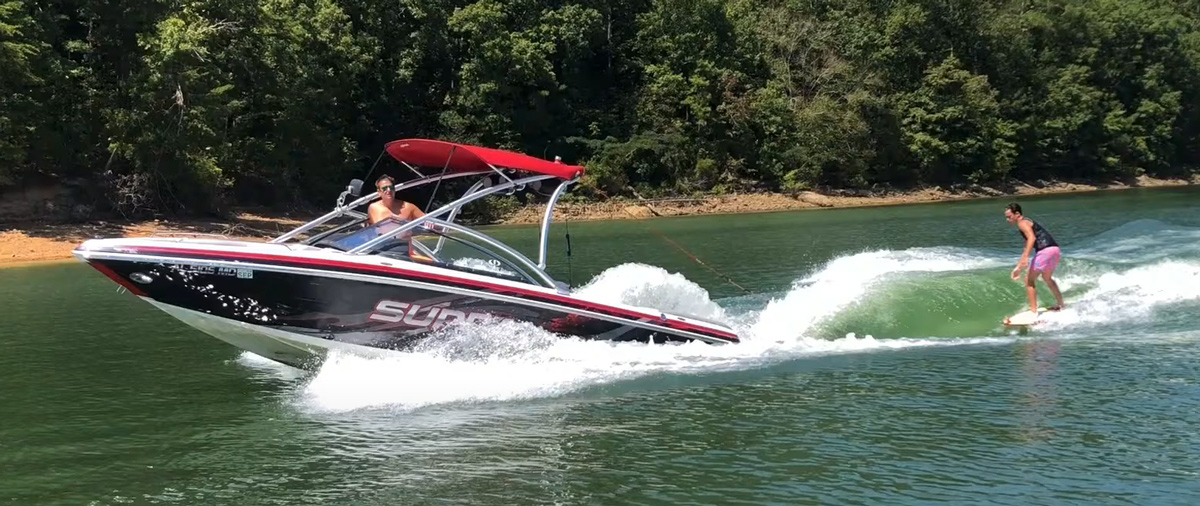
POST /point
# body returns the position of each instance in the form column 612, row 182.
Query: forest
column 192, row 106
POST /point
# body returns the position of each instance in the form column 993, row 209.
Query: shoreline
column 24, row 245
column 625, row 208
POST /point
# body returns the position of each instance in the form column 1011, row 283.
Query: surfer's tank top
column 1041, row 237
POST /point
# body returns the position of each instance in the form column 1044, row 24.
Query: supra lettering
column 416, row 316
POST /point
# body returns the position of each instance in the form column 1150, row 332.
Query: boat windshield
column 440, row 247
column 468, row 254
column 347, row 241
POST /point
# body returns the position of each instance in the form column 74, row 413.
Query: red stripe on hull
column 437, row 278
column 118, row 279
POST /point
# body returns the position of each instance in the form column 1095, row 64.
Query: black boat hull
column 295, row 315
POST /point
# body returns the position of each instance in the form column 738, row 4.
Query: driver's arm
column 410, row 212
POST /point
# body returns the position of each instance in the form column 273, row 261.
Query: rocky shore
column 625, row 208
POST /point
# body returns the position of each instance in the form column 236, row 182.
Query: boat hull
column 287, row 348
column 295, row 315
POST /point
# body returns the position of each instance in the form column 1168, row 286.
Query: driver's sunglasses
column 385, row 188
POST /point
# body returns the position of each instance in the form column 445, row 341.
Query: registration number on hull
column 221, row 271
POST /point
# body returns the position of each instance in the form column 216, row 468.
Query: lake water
column 874, row 370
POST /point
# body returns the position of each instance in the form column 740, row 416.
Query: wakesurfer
column 1046, row 255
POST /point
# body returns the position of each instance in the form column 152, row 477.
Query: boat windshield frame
column 340, row 209
column 523, row 266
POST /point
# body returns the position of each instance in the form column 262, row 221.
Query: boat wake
column 1132, row 297
column 918, row 297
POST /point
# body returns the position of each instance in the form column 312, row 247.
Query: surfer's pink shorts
column 1046, row 260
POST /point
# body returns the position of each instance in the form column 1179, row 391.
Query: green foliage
column 638, row 161
column 953, row 127
column 16, row 46
column 191, row 105
column 18, row 49
column 514, row 64
column 1112, row 93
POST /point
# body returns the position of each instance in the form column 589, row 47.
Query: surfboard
column 1024, row 318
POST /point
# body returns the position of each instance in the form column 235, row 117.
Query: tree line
column 193, row 105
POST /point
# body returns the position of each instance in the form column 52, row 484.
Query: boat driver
column 388, row 206
column 395, row 211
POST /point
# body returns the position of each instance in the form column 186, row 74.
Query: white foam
column 505, row 360
column 500, row 360
column 644, row 285
column 414, row 380
column 1130, row 295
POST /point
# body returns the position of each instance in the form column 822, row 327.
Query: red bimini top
column 466, row 158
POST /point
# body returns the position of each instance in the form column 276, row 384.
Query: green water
column 873, row 371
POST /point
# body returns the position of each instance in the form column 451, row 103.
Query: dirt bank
column 618, row 209
column 24, row 243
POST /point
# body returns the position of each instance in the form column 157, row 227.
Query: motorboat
column 341, row 283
